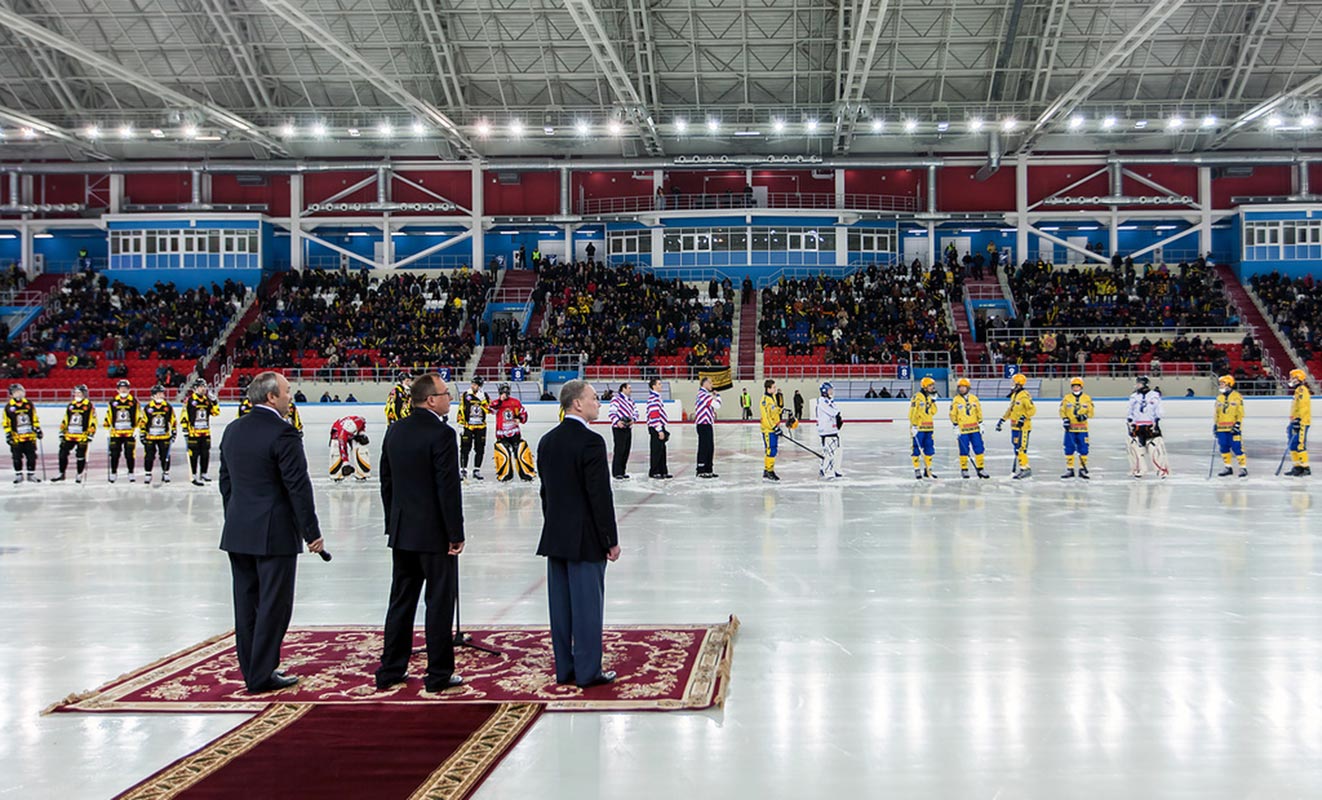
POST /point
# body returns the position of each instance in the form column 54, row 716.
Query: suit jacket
column 264, row 488
column 577, row 508
column 420, row 484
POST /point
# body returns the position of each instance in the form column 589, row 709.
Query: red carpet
column 659, row 668
column 315, row 752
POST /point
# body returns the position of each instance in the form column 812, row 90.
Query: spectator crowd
column 1295, row 305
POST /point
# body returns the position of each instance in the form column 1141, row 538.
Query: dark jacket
column 264, row 488
column 420, row 484
column 577, row 509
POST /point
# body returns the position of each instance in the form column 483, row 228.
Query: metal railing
column 983, row 291
column 833, row 371
column 434, row 261
column 715, row 202
column 1173, row 369
column 1011, row 333
column 626, row 372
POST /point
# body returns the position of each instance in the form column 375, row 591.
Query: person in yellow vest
column 398, row 404
column 156, row 431
column 1076, row 408
column 770, row 430
column 1229, row 417
column 966, row 416
column 1020, row 416
column 199, row 407
column 1301, row 417
column 922, row 427
column 121, row 424
column 22, row 430
column 76, row 432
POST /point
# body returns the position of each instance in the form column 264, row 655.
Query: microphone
column 325, row 556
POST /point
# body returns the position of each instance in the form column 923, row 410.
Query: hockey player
column 829, row 422
column 1229, row 417
column 156, row 431
column 966, row 416
column 511, row 454
column 348, row 449
column 705, row 407
column 199, row 407
column 623, row 413
column 398, row 404
column 1144, row 420
column 1301, row 417
column 922, row 426
column 770, row 430
column 473, row 409
column 1020, row 416
column 76, row 432
column 22, row 430
column 658, row 432
column 121, row 423
column 294, row 418
column 1076, row 408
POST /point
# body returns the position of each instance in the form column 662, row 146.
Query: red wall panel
column 957, row 189
column 457, row 187
column 60, row 189
column 1263, row 181
column 152, row 188
column 612, row 184
column 1176, row 177
column 275, row 194
column 535, row 193
column 902, row 182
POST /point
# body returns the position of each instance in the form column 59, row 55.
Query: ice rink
column 919, row 639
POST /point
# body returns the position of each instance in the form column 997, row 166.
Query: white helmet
column 350, row 427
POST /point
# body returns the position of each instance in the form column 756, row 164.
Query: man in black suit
column 425, row 523
column 267, row 499
column 579, row 535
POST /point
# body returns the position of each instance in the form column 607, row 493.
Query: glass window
column 738, row 239
column 826, row 241
column 151, row 243
column 777, row 240
column 795, row 240
column 252, row 242
column 213, row 241
column 672, row 243
column 761, row 239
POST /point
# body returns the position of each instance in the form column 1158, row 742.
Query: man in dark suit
column 267, row 499
column 425, row 523
column 579, row 535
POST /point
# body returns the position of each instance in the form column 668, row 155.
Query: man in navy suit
column 425, row 523
column 579, row 535
column 269, row 513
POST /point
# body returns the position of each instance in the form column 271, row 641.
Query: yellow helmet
column 1019, row 379
column 1228, row 380
column 927, row 382
column 963, row 382
column 1076, row 381
column 1298, row 376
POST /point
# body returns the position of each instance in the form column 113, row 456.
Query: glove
column 40, row 434
column 1065, row 423
column 1235, row 429
column 143, row 439
column 1293, row 428
column 839, row 421
column 172, row 438
column 9, row 439
column 1131, row 430
column 1156, row 429
column 1082, row 417
column 913, row 432
column 362, row 439
column 1000, row 423
column 1021, row 422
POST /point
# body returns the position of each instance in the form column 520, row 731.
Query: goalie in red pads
column 348, row 449
column 512, row 454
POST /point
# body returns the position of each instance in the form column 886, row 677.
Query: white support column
column 296, row 223
column 1113, row 232
column 658, row 180
column 1021, row 208
column 387, row 241
column 26, row 251
column 478, row 204
column 569, row 244
column 26, row 190
column 842, row 246
column 565, row 182
column 839, row 189
column 116, row 192
column 658, row 247
column 1204, row 210
column 931, row 244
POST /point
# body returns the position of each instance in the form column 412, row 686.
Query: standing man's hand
column 317, row 546
column 613, row 554
column 456, row 548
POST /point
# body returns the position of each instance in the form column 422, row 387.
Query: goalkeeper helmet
column 504, row 388
column 826, row 388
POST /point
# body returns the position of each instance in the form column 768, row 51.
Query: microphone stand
column 462, row 639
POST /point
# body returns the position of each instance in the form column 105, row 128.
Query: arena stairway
column 747, row 369
column 973, row 349
column 1252, row 317
column 488, row 364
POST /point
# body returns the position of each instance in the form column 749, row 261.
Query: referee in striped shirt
column 657, row 434
column 704, row 416
column 622, row 416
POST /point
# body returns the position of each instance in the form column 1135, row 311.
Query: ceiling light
column 190, row 131
column 1274, row 121
column 614, row 128
column 1174, row 123
column 975, row 124
column 1307, row 121
column 582, row 127
column 1209, row 121
column 878, row 125
column 210, row 137
column 516, row 127
column 1108, row 123
column 549, row 130
column 286, row 131
column 1009, row 124
column 681, row 125
column 126, row 132
column 942, row 127
column 157, row 133
column 92, row 132
column 483, row 128
column 385, row 129
column 910, row 125
column 1141, row 124
column 319, row 130
column 355, row 132
column 811, row 125
column 419, row 129
column 1076, row 122
column 778, row 125
column 713, row 124
column 29, row 133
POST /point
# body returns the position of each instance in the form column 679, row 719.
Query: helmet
column 158, row 389
column 350, row 427
column 504, row 388
column 1298, row 376
column 1143, row 381
column 476, row 381
column 825, row 388
column 16, row 387
column 123, row 384
column 403, row 377
column 1076, row 381
column 200, row 383
column 927, row 383
column 965, row 382
column 81, row 389
column 1226, row 380
column 1019, row 379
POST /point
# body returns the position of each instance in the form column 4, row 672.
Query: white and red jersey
column 345, row 428
column 510, row 414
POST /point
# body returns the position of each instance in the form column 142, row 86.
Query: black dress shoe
column 606, row 677
column 275, row 683
column 385, row 682
column 450, row 683
column 566, row 681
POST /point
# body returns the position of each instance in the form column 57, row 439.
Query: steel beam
column 612, row 67
column 861, row 31
column 1264, row 108
column 49, row 131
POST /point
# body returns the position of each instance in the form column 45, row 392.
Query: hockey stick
column 802, row 446
column 1286, row 454
column 1211, row 462
column 41, row 455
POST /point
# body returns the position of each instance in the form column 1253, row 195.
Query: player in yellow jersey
column 1301, row 417
column 1229, row 417
column 1020, row 416
column 1076, row 409
column 398, row 404
column 922, row 426
column 770, row 430
column 966, row 416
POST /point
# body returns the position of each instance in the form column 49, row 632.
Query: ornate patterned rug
column 659, row 669
column 387, row 752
